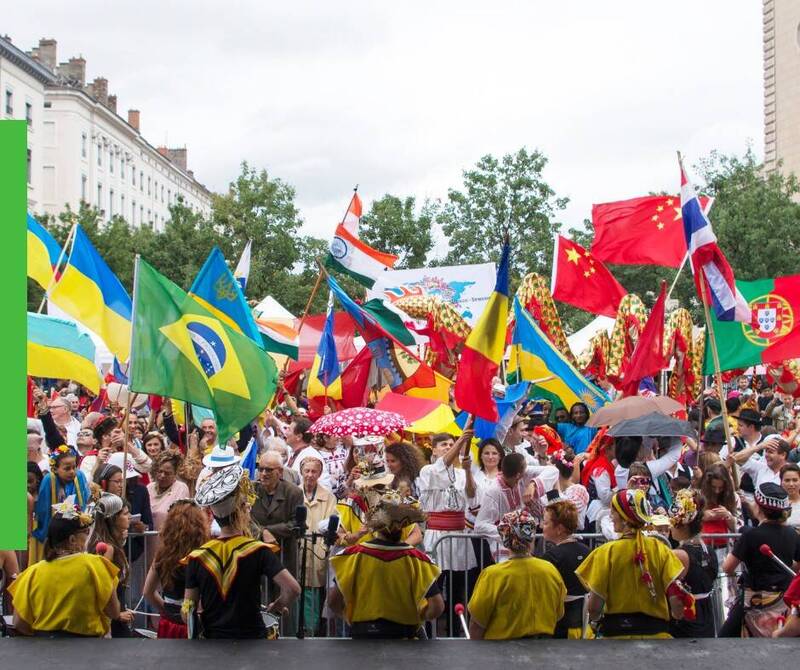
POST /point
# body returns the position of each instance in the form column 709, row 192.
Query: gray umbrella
column 654, row 424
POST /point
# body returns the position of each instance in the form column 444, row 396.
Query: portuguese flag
column 773, row 333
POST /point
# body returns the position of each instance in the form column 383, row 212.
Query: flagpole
column 125, row 417
column 717, row 370
column 52, row 282
column 677, row 274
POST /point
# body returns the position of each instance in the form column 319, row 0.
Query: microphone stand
column 301, row 617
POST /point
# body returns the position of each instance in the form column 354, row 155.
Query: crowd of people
column 550, row 528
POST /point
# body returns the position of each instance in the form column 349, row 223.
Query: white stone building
column 22, row 85
column 84, row 151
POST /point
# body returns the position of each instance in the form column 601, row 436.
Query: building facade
column 781, row 29
column 81, row 150
column 22, row 86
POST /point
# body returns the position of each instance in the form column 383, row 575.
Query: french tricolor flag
column 708, row 262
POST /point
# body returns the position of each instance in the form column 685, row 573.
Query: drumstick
column 767, row 551
column 459, row 610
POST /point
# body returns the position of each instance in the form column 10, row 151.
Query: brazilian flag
column 182, row 351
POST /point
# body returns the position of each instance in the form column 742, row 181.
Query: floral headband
column 68, row 509
column 684, row 508
column 58, row 453
column 561, row 457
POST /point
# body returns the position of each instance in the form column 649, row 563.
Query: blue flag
column 216, row 290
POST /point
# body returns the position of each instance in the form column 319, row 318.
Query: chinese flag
column 648, row 356
column 641, row 231
column 582, row 281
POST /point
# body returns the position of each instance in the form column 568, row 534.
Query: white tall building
column 84, row 151
column 22, row 84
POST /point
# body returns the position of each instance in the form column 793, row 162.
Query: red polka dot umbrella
column 359, row 421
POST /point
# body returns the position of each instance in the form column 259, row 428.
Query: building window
column 122, row 206
column 169, row 196
column 9, row 102
column 141, row 214
column 110, row 203
column 99, row 154
column 133, row 175
column 29, row 113
column 162, row 193
column 122, row 168
column 99, row 196
column 83, row 145
column 148, row 186
column 133, row 212
column 141, row 180
column 29, row 166
column 110, row 160
column 84, row 183
column 149, row 218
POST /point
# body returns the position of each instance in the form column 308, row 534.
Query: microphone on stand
column 300, row 518
column 330, row 533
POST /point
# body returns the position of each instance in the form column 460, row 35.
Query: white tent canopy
column 579, row 340
column 269, row 308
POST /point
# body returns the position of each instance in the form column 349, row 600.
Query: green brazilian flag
column 180, row 350
column 773, row 333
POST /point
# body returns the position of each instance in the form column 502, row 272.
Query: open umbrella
column 654, row 424
column 632, row 407
column 359, row 421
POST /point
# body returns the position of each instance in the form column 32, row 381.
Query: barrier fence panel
column 455, row 549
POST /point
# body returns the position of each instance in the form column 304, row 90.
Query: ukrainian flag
column 91, row 293
column 535, row 358
column 483, row 351
column 325, row 379
column 216, row 289
column 43, row 253
column 56, row 348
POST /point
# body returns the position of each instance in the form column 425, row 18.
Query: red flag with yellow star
column 641, row 231
column 581, row 280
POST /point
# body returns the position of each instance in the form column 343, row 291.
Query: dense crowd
column 551, row 528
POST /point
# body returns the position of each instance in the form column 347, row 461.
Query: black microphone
column 333, row 526
column 300, row 517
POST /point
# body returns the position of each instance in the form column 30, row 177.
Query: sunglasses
column 268, row 469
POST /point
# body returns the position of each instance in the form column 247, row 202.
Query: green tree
column 392, row 225
column 499, row 194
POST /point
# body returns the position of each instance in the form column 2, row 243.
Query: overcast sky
column 401, row 97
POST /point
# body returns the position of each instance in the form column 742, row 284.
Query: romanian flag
column 535, row 358
column 56, row 348
column 216, row 289
column 43, row 253
column 91, row 293
column 483, row 351
column 325, row 379
column 348, row 254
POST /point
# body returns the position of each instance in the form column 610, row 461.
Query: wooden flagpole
column 51, row 284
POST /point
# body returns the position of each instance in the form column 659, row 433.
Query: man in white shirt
column 630, row 449
column 518, row 486
column 60, row 410
column 767, row 469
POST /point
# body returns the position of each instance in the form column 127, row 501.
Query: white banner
column 466, row 287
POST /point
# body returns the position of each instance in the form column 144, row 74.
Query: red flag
column 648, row 356
column 31, row 405
column 582, row 281
column 641, row 231
column 355, row 379
column 311, row 332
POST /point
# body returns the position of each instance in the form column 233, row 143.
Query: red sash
column 446, row 521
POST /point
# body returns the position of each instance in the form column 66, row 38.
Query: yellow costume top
column 351, row 518
column 521, row 597
column 384, row 581
column 66, row 594
column 610, row 572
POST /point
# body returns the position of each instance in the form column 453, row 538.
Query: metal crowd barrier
column 457, row 587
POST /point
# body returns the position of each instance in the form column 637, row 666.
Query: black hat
column 714, row 436
column 772, row 496
column 750, row 416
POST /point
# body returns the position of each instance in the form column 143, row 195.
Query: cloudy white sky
column 401, row 97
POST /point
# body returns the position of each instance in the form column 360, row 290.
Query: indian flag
column 348, row 254
column 279, row 338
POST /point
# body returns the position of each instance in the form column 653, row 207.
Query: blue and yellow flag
column 536, row 359
column 216, row 289
column 56, row 348
column 325, row 379
column 91, row 293
column 43, row 253
column 483, row 350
